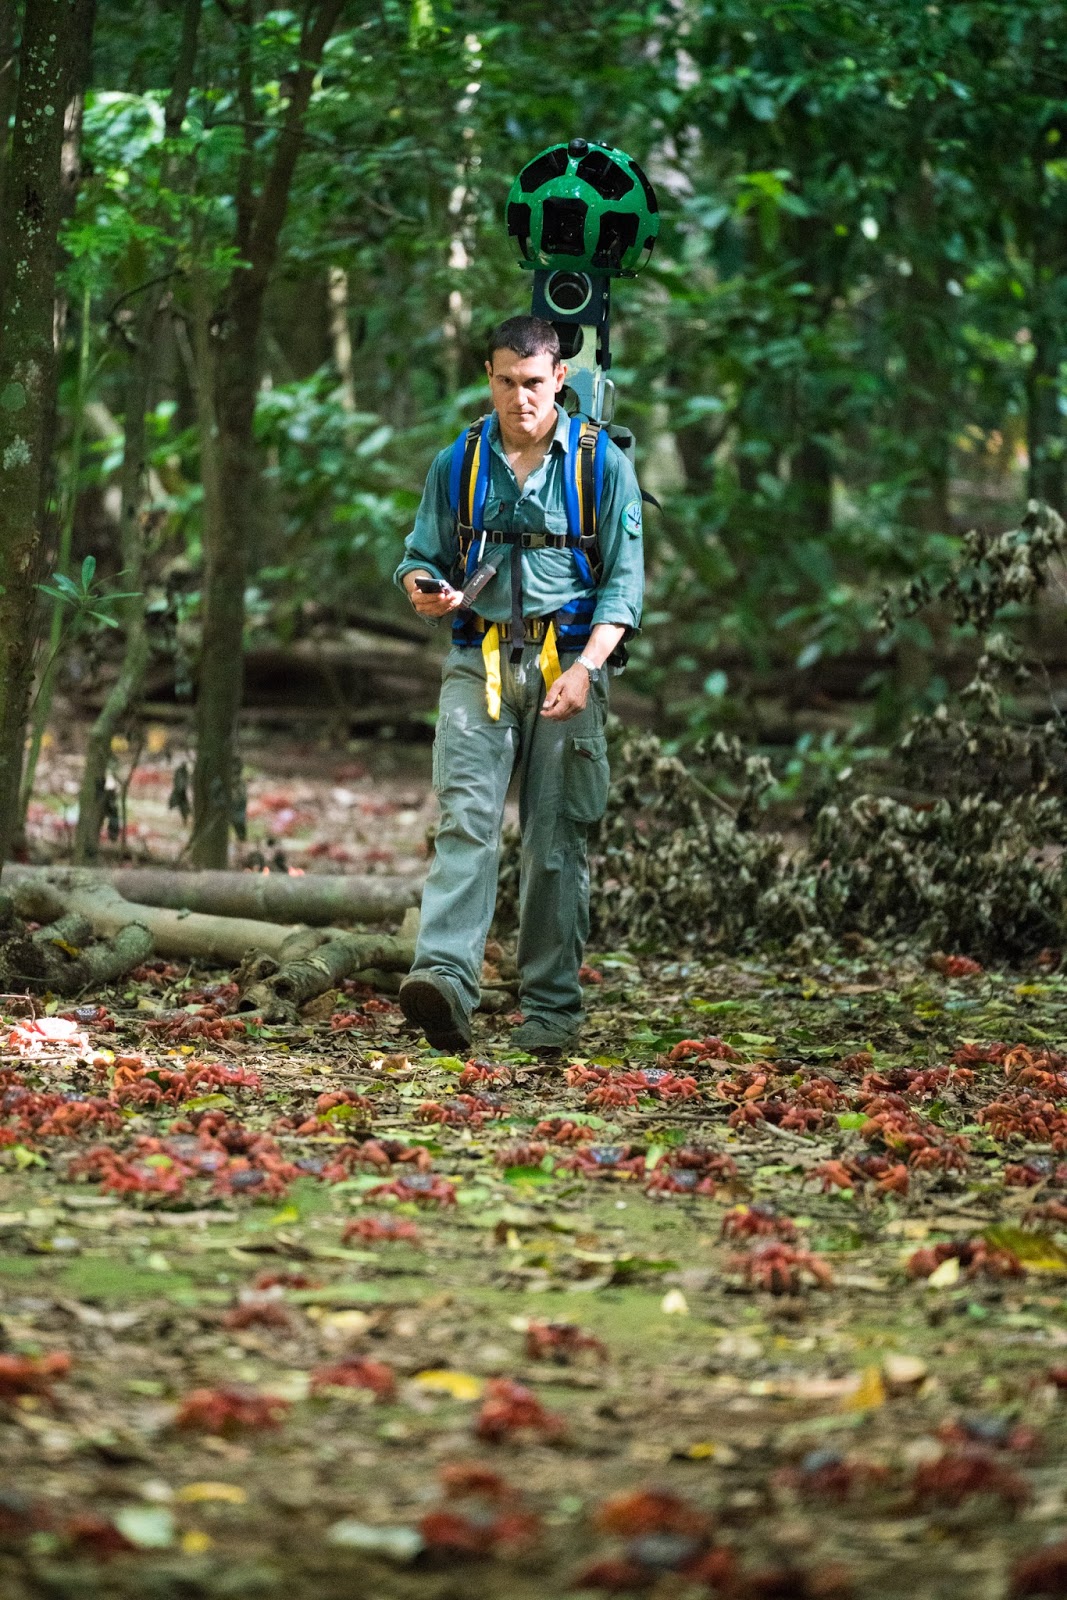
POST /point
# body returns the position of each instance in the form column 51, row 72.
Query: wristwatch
column 594, row 672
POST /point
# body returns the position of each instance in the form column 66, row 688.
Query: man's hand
column 432, row 605
column 567, row 695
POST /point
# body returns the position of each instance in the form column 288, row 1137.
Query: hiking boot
column 430, row 1004
column 549, row 1040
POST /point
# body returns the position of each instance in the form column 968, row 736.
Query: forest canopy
column 280, row 241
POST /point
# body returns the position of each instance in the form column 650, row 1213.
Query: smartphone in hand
column 430, row 585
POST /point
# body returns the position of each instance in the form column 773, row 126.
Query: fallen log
column 317, row 899
column 281, row 966
column 62, row 959
column 299, row 977
column 186, row 935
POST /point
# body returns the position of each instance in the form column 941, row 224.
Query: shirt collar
column 562, row 435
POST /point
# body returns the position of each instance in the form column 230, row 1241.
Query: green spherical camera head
column 586, row 207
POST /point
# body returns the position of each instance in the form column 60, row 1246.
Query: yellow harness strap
column 548, row 661
column 491, row 657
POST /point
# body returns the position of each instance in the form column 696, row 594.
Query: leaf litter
column 315, row 1317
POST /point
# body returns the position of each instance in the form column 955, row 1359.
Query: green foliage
column 84, row 599
column 851, row 327
column 967, row 854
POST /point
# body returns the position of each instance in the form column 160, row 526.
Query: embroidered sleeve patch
column 631, row 518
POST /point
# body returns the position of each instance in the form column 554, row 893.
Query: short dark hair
column 524, row 336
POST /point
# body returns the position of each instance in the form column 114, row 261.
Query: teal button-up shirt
column 550, row 578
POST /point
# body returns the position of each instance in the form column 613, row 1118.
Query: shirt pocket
column 586, row 776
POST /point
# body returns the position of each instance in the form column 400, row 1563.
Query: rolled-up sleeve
column 431, row 544
column 621, row 589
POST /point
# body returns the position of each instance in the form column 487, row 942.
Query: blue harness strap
column 583, row 487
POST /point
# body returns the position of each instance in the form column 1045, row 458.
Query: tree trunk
column 812, row 480
column 8, row 83
column 1046, row 479
column 92, row 793
column 132, row 478
column 52, row 41
column 228, row 547
column 925, row 418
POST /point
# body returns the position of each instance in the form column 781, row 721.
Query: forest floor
column 283, row 1313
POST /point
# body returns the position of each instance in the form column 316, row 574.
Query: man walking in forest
column 537, row 517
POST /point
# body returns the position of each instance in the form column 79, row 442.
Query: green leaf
column 88, row 572
column 1038, row 1252
column 852, row 1119
column 147, row 1527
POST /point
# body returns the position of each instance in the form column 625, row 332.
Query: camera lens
column 569, row 292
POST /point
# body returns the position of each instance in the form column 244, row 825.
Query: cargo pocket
column 439, row 752
column 585, row 778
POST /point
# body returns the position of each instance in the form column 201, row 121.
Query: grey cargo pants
column 563, row 787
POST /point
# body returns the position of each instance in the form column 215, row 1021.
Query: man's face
column 524, row 390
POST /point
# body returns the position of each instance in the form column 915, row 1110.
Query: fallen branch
column 278, row 995
column 319, row 899
column 61, row 959
column 187, row 935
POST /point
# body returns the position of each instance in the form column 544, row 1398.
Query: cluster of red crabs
column 652, row 1534
column 894, row 1139
column 655, row 1535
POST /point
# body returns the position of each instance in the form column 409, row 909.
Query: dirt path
column 860, row 1431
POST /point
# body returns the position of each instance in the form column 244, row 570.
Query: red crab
column 265, row 1174
column 605, row 1160
column 283, row 1280
column 560, row 1130
column 1042, row 1574
column 382, row 1153
column 97, row 1536
column 954, row 966
column 464, row 1110
column 119, row 1175
column 758, row 1220
column 476, row 1072
column 782, row 1269
column 336, row 1100
column 259, row 1309
column 958, row 1474
column 1021, row 1115
column 995, row 1432
column 825, row 1474
column 510, row 1408
column 664, row 1535
column 646, row 1511
column 529, row 1154
column 611, row 1097
column 229, row 1409
column 423, row 1188
column 710, row 1049
column 560, row 1341
column 976, row 1256
column 356, row 1372
column 692, row 1169
column 494, row 1521
column 31, row 1374
column 381, row 1230
column 207, row 1025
